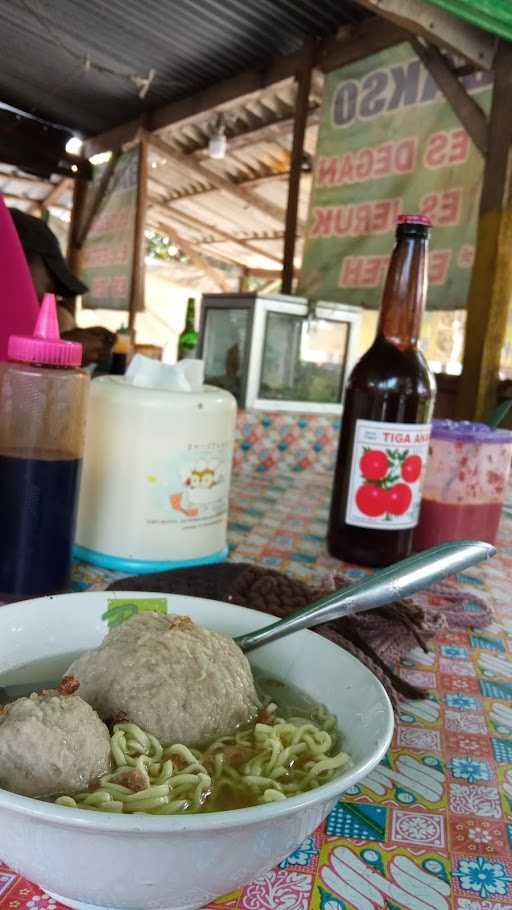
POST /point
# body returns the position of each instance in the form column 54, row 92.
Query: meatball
column 51, row 744
column 176, row 680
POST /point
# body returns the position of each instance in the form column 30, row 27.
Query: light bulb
column 73, row 145
column 217, row 146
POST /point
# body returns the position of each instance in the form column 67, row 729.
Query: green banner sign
column 107, row 255
column 388, row 143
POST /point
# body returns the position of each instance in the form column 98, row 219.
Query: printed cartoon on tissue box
column 157, row 466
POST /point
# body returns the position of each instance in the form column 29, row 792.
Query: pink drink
column 465, row 483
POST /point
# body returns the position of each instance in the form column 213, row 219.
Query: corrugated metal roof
column 243, row 220
column 71, row 62
column 196, row 210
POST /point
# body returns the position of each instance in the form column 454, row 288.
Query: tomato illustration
column 398, row 499
column 411, row 468
column 372, row 500
column 374, row 464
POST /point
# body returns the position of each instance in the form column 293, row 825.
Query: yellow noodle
column 264, row 763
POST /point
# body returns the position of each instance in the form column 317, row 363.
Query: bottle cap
column 414, row 219
column 45, row 346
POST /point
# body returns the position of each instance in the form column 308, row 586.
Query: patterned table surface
column 431, row 828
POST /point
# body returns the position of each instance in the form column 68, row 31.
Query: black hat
column 37, row 239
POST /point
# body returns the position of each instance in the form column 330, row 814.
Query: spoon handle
column 390, row 584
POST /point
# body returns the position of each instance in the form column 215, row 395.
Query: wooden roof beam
column 465, row 107
column 241, row 241
column 197, row 190
column 213, row 229
column 266, row 132
column 199, row 261
column 12, row 197
column 113, row 139
column 222, row 94
column 98, row 199
column 204, row 226
column 351, row 43
column 269, row 286
column 217, row 180
column 244, row 243
column 26, row 178
column 439, row 28
column 191, row 193
column 53, row 196
column 225, row 257
column 354, row 42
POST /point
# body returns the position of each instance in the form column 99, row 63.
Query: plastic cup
column 465, row 483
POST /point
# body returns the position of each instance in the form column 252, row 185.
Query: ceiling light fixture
column 74, row 145
column 218, row 143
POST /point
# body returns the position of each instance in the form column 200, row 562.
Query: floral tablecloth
column 431, row 827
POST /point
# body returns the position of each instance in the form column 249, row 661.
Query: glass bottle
column 387, row 413
column 187, row 342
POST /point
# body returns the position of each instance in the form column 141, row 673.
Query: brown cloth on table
column 269, row 591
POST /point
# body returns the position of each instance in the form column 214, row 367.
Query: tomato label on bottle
column 386, row 474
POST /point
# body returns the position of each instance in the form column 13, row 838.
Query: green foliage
column 160, row 246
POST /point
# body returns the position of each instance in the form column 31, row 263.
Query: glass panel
column 224, row 350
column 303, row 360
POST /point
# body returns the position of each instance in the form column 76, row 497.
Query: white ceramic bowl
column 92, row 860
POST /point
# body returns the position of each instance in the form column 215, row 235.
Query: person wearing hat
column 51, row 275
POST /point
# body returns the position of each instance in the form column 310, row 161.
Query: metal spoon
column 393, row 583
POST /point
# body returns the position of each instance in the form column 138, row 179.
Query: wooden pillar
column 139, row 244
column 73, row 251
column 491, row 281
column 94, row 207
column 299, row 130
column 243, row 280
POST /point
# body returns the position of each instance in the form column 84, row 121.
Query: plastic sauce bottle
column 387, row 412
column 43, row 399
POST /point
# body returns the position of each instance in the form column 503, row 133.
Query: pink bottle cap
column 414, row 219
column 45, row 346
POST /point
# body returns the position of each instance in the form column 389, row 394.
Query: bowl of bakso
column 146, row 762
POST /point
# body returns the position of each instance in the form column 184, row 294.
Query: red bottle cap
column 45, row 346
column 414, row 219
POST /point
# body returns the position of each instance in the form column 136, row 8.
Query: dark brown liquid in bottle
column 392, row 382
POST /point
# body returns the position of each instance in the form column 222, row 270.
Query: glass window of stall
column 279, row 352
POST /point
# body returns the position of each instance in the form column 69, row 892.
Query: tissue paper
column 184, row 376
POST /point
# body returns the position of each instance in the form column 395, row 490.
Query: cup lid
column 468, row 431
column 45, row 346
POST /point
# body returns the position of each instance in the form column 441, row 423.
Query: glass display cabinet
column 277, row 352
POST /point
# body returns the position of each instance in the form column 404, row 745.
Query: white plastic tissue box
column 157, row 466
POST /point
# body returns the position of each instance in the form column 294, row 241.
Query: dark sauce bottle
column 386, row 419
column 43, row 397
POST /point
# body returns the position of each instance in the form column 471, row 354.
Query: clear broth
column 292, row 702
column 46, row 672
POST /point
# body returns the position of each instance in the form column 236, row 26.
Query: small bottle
column 386, row 419
column 120, row 352
column 43, row 399
column 187, row 342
